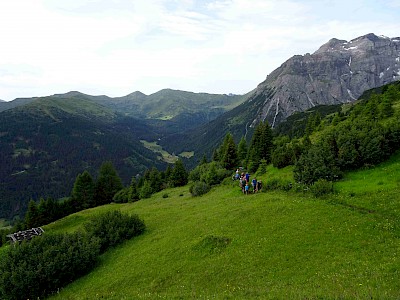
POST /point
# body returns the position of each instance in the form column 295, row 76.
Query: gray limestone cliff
column 338, row 72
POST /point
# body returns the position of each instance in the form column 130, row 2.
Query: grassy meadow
column 270, row 245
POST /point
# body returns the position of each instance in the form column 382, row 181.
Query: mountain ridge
column 338, row 72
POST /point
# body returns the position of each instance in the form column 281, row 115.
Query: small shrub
column 321, row 187
column 180, row 195
column 272, row 184
column 122, row 196
column 165, row 195
column 285, row 185
column 300, row 188
column 199, row 188
column 114, row 227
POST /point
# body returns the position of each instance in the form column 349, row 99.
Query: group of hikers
column 244, row 182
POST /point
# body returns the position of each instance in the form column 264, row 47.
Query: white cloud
column 115, row 47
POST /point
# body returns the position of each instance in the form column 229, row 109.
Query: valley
column 165, row 156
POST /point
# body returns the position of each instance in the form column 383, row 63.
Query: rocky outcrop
column 338, row 72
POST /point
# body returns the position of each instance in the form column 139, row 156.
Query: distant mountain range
column 46, row 141
column 166, row 104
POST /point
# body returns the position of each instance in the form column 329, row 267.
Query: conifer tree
column 145, row 190
column 133, row 193
column 229, row 158
column 107, row 184
column 179, row 176
column 32, row 215
column 168, row 172
column 242, row 149
column 155, row 180
column 216, row 156
column 260, row 146
column 203, row 160
column 83, row 191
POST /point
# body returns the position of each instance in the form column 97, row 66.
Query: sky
column 116, row 47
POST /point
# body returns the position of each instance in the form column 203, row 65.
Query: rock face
column 338, row 72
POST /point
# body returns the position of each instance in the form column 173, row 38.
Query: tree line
column 107, row 188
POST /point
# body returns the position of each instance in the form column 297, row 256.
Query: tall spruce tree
column 229, row 157
column 260, row 146
column 146, row 190
column 133, row 194
column 242, row 150
column 107, row 184
column 179, row 175
column 83, row 191
column 32, row 215
column 155, row 180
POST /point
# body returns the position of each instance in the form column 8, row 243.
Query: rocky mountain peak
column 338, row 72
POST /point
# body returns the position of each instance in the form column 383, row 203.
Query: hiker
column 241, row 184
column 259, row 186
column 237, row 174
column 254, row 184
column 247, row 177
column 246, row 188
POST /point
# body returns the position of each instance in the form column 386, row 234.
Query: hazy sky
column 115, row 47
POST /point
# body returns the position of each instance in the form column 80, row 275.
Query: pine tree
column 203, row 160
column 145, row 190
column 32, row 215
column 133, row 193
column 155, row 180
column 242, row 149
column 229, row 157
column 216, row 155
column 179, row 176
column 83, row 191
column 107, row 184
column 260, row 146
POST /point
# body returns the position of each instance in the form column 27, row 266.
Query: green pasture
column 271, row 245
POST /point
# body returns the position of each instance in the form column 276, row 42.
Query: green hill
column 271, row 245
column 45, row 144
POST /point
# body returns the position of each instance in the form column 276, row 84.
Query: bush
column 278, row 184
column 322, row 187
column 211, row 173
column 122, row 196
column 272, row 184
column 165, row 195
column 317, row 163
column 37, row 268
column 113, row 228
column 300, row 188
column 199, row 188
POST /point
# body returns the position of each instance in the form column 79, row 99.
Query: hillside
column 48, row 142
column 271, row 245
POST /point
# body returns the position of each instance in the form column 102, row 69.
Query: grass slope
column 271, row 245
